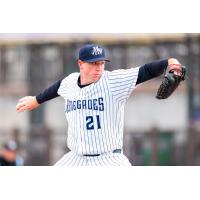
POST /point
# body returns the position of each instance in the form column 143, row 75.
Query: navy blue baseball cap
column 92, row 53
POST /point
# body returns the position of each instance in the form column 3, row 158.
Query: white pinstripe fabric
column 95, row 114
column 107, row 159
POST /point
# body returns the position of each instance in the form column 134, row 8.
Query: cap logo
column 96, row 51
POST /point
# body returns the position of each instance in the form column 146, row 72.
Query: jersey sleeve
column 122, row 82
column 66, row 83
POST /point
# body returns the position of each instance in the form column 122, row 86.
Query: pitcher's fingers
column 176, row 67
column 177, row 72
column 20, row 105
column 23, row 108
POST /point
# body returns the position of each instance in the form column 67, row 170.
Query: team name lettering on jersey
column 91, row 104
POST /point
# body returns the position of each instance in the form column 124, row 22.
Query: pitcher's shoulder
column 71, row 77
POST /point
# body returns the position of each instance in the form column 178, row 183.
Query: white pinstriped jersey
column 95, row 113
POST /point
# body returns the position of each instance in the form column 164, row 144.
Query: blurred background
column 156, row 132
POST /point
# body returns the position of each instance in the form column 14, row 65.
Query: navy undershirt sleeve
column 49, row 93
column 151, row 70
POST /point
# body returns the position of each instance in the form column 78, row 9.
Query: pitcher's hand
column 27, row 103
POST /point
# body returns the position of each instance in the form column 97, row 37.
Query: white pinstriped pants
column 106, row 159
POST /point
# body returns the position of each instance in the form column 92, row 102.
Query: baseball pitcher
column 95, row 101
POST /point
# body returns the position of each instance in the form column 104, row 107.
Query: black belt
column 114, row 151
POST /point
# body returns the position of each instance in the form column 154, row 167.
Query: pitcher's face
column 91, row 72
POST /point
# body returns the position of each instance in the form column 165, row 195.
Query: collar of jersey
column 79, row 83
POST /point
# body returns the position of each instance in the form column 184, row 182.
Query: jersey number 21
column 91, row 121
